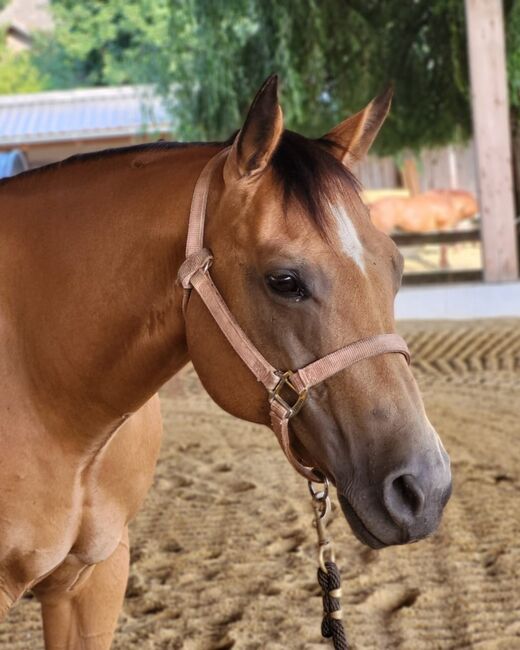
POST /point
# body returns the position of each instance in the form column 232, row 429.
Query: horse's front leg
column 84, row 617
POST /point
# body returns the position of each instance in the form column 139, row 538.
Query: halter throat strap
column 194, row 274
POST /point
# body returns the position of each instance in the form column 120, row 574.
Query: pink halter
column 194, row 274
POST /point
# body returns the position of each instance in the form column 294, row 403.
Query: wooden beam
column 436, row 237
column 411, row 176
column 485, row 28
column 448, row 276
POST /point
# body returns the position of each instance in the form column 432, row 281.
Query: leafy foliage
column 209, row 57
column 513, row 51
column 18, row 74
column 333, row 57
column 105, row 43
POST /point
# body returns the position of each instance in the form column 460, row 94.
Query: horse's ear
column 257, row 139
column 353, row 137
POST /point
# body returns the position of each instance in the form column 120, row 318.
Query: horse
column 93, row 320
column 425, row 212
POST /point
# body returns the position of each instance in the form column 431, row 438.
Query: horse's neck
column 94, row 251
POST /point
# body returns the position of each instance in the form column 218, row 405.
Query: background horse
column 425, row 212
column 92, row 324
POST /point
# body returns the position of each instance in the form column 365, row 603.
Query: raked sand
column 223, row 552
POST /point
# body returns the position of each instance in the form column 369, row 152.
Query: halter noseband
column 194, row 274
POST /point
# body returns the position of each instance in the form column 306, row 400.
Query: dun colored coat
column 92, row 324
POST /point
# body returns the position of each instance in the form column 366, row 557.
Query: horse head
column 304, row 272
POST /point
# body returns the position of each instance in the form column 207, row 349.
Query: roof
column 27, row 16
column 90, row 113
column 12, row 162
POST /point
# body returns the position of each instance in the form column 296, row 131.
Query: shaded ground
column 223, row 552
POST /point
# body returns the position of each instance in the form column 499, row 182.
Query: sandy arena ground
column 223, row 551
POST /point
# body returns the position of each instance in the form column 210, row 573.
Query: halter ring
column 275, row 394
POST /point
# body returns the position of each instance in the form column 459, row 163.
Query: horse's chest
column 48, row 511
column 103, row 520
column 115, row 487
column 58, row 525
column 60, row 513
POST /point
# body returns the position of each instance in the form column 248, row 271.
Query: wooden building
column 21, row 18
column 51, row 126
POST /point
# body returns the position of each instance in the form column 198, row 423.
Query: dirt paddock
column 223, row 552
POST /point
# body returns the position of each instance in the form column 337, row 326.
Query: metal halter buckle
column 275, row 395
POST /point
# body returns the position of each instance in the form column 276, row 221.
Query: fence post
column 486, row 47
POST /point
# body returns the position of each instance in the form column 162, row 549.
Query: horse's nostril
column 410, row 492
column 404, row 498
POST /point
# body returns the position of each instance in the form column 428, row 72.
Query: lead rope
column 329, row 577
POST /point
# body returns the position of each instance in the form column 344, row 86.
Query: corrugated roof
column 81, row 115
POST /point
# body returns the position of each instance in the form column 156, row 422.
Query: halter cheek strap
column 194, row 274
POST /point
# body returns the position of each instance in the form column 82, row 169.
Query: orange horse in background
column 425, row 212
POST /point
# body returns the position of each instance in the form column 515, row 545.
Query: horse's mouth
column 358, row 527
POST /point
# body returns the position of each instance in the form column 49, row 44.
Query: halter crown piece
column 194, row 274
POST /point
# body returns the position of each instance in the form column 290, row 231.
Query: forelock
column 312, row 178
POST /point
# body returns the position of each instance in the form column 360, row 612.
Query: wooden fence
column 447, row 167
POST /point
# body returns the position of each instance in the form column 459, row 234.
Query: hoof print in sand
column 390, row 599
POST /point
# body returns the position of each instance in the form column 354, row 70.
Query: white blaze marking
column 348, row 236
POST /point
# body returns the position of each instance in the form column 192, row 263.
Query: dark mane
column 306, row 169
column 312, row 176
column 160, row 145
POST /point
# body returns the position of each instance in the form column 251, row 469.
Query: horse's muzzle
column 405, row 508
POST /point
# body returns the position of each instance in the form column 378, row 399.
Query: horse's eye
column 287, row 284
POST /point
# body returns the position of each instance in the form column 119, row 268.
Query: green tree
column 18, row 74
column 209, row 57
column 332, row 56
column 105, row 43
column 513, row 74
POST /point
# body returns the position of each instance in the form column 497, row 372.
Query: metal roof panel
column 81, row 114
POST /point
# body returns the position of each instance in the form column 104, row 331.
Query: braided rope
column 332, row 625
